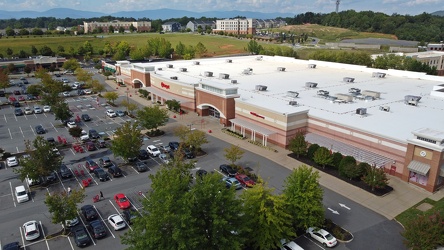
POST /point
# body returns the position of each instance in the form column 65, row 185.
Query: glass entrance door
column 213, row 112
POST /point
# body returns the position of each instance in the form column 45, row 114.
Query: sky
column 411, row 7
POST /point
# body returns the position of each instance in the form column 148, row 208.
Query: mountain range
column 163, row 14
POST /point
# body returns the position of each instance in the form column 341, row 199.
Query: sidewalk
column 401, row 198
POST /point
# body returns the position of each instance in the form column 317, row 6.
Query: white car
column 291, row 246
column 116, row 221
column 37, row 110
column 87, row 91
column 46, row 108
column 153, row 150
column 164, row 158
column 31, row 230
column 11, row 161
column 324, row 237
column 28, row 111
column 111, row 113
column 66, row 94
column 84, row 136
column 64, row 80
column 71, row 223
column 21, row 194
column 71, row 124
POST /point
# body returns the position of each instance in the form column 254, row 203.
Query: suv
column 21, row 194
column 11, row 161
column 105, row 162
column 153, row 150
column 174, row 145
column 92, row 133
column 110, row 113
column 91, row 165
column 65, row 172
column 85, row 117
column 31, row 230
column 101, row 174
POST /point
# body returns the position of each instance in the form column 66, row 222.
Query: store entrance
column 213, row 112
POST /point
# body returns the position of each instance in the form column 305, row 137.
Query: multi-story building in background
column 142, row 26
column 236, row 26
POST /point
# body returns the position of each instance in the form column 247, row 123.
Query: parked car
column 31, row 230
column 51, row 178
column 101, row 143
column 143, row 155
column 81, row 238
column 2, row 93
column 116, row 221
column 37, row 110
column 91, row 165
column 21, row 98
column 65, row 172
column 71, row 124
column 122, row 201
column 92, row 133
column 12, row 99
column 84, row 136
column 129, row 215
column 201, row 173
column 86, row 118
column 141, row 167
column 46, row 108
column 90, row 146
column 18, row 112
column 291, row 246
column 174, row 145
column 245, row 180
column 66, row 94
column 12, row 161
column 324, row 237
column 101, row 174
column 12, row 246
column 16, row 104
column 89, row 212
column 40, row 130
column 73, row 222
column 120, row 113
column 105, row 162
column 87, row 91
column 98, row 229
column 110, row 113
column 228, row 170
column 28, row 111
column 32, row 182
column 153, row 150
column 115, row 171
column 17, row 92
column 188, row 153
column 31, row 97
column 20, row 194
column 232, row 182
column 165, row 149
column 57, row 75
column 165, row 158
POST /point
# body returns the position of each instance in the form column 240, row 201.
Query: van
column 21, row 194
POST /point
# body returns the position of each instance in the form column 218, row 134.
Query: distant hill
column 438, row 13
column 163, row 14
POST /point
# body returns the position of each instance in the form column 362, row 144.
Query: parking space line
column 70, row 243
column 314, row 242
column 135, row 207
column 18, row 151
column 29, row 191
column 104, row 222
column 87, row 231
column 227, row 176
column 31, row 130
column 44, row 236
column 6, row 120
column 72, row 151
column 15, row 118
column 80, row 184
column 10, row 133
column 54, row 127
column 12, row 194
column 23, row 239
column 118, row 211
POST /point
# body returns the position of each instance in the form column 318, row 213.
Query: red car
column 12, row 99
column 90, row 146
column 122, row 201
column 21, row 98
column 17, row 92
column 245, row 180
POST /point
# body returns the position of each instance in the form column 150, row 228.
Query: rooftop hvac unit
column 293, row 103
column 247, row 71
column 361, row 111
column 229, row 61
column 323, row 92
column 312, row 66
column 170, row 66
column 311, row 84
column 331, row 98
column 345, row 97
column 412, row 98
column 348, row 79
column 208, row 73
column 378, row 74
column 224, row 76
column 292, row 94
column 374, row 94
column 369, row 98
column 384, row 108
column 281, row 69
column 196, row 63
column 183, row 69
column 174, row 77
column 159, row 69
column 354, row 91
column 259, row 58
column 261, row 87
column 233, row 81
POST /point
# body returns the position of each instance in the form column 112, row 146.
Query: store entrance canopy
column 167, row 96
column 419, row 167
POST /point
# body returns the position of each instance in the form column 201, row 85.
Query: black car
column 65, row 172
column 86, row 118
column 18, row 112
column 101, row 143
column 2, row 93
column 39, row 129
column 115, row 171
column 105, row 162
column 201, row 173
column 12, row 246
column 30, row 97
column 141, row 167
column 101, row 174
column 52, row 177
column 51, row 141
column 228, row 170
column 57, row 75
column 143, row 154
column 81, row 238
column 129, row 215
column 174, row 145
column 16, row 104
column 92, row 133
column 98, row 229
column 89, row 212
column 188, row 153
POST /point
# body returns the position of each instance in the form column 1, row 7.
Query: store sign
column 163, row 85
column 257, row 115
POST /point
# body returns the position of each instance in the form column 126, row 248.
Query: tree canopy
column 152, row 117
column 127, row 141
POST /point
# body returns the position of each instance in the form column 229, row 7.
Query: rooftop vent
column 293, row 103
column 228, row 61
column 174, row 77
column 312, row 66
column 374, row 94
column 247, row 71
column 224, row 76
column 196, row 63
column 311, row 84
column 354, row 91
column 411, row 100
column 183, row 69
column 292, row 94
column 323, row 92
column 384, row 108
column 281, row 69
column 159, row 69
column 378, row 74
column 234, row 81
column 348, row 79
column 259, row 58
column 261, row 87
column 361, row 111
column 170, row 66
column 208, row 73
column 344, row 97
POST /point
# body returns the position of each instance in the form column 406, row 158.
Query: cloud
column 421, row 2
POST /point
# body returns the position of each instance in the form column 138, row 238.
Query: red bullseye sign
column 163, row 85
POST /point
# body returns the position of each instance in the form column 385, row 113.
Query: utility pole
column 337, row 5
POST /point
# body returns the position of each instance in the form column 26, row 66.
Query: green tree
column 322, row 156
column 27, row 70
column 336, row 159
column 96, row 86
column 172, row 104
column 111, row 96
column 88, row 48
column 4, row 79
column 75, row 132
column 303, row 196
column 267, row 216
column 127, row 141
column 83, row 75
column 182, row 132
column 130, row 106
column 180, row 49
column 253, row 47
column 111, row 29
column 11, row 67
column 152, row 117
column 34, row 50
column 121, row 30
column 63, row 206
column 298, row 145
column 311, row 150
column 60, row 49
column 61, row 110
column 233, row 154
column 45, row 51
column 41, row 162
column 9, row 31
column 424, row 232
column 375, row 177
column 348, row 167
column 195, row 139
column 9, row 52
column 71, row 64
column 132, row 28
column 200, row 49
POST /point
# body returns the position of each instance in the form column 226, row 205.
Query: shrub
column 348, row 168
column 336, row 160
column 311, row 150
